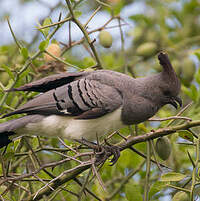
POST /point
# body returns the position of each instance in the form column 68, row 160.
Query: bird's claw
column 102, row 152
column 105, row 152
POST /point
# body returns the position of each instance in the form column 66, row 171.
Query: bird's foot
column 105, row 152
column 102, row 152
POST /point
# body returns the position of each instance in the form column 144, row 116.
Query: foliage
column 53, row 169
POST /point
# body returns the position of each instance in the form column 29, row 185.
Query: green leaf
column 194, row 92
column 16, row 143
column 7, row 69
column 46, row 22
column 43, row 45
column 197, row 76
column 139, row 18
column 8, row 156
column 24, row 52
column 25, row 73
column 15, row 101
column 185, row 90
column 197, row 54
column 117, row 7
column 88, row 62
column 186, row 135
column 157, row 187
column 77, row 13
column 126, row 160
column 133, row 192
column 172, row 176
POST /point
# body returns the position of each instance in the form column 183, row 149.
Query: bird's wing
column 83, row 98
column 51, row 82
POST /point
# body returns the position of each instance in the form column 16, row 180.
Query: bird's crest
column 168, row 73
column 165, row 62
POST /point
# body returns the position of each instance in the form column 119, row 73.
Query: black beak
column 175, row 100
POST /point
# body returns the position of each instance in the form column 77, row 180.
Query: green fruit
column 152, row 35
column 3, row 59
column 105, row 39
column 15, row 101
column 4, row 78
column 181, row 196
column 136, row 33
column 177, row 67
column 146, row 49
column 19, row 59
column 163, row 148
column 188, row 71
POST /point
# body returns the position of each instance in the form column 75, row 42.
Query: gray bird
column 89, row 104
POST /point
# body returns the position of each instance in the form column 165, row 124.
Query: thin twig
column 59, row 59
column 36, row 158
column 87, row 190
column 154, row 155
column 195, row 170
column 70, row 34
column 13, row 34
column 41, row 180
column 193, row 133
column 53, row 181
column 86, row 35
column 55, row 24
column 148, row 166
column 103, row 3
column 190, row 157
column 84, row 184
column 99, row 178
column 122, row 46
column 169, row 118
column 69, row 147
column 144, row 156
column 179, row 113
column 93, row 14
column 179, row 188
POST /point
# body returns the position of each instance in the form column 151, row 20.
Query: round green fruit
column 177, row 67
column 163, row 148
column 152, row 35
column 181, row 196
column 19, row 59
column 136, row 33
column 4, row 78
column 146, row 49
column 188, row 71
column 3, row 59
column 105, row 39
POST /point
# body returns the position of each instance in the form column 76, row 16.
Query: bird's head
column 170, row 85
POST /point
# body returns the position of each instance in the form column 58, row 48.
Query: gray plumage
column 84, row 104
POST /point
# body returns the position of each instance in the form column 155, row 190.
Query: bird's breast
column 138, row 109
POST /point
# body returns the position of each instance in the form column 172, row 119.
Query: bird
column 87, row 105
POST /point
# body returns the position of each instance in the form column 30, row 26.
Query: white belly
column 67, row 127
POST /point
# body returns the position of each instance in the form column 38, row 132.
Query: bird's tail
column 9, row 128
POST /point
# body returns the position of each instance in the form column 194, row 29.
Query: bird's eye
column 166, row 93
